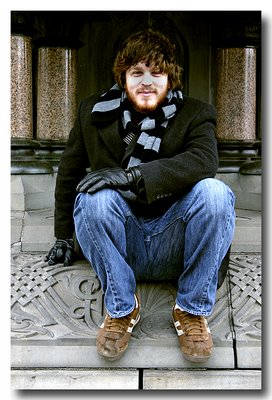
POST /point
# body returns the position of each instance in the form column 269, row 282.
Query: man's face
column 146, row 87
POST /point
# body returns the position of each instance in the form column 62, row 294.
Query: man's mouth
column 146, row 92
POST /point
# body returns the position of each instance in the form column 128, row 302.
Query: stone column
column 21, row 87
column 56, row 92
column 236, row 93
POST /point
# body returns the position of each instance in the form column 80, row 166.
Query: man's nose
column 147, row 79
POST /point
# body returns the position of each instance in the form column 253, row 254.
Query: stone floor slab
column 42, row 241
column 72, row 379
column 202, row 380
column 248, row 232
column 16, row 226
column 249, row 354
column 38, row 232
column 32, row 192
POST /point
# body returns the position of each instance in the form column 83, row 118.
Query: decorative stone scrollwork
column 57, row 302
column 246, row 295
column 157, row 299
column 54, row 301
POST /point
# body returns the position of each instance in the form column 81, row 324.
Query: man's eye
column 136, row 73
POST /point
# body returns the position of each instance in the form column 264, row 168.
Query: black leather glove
column 110, row 177
column 62, row 251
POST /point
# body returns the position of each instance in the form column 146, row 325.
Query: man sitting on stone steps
column 150, row 208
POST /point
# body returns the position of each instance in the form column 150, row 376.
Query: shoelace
column 118, row 325
column 194, row 324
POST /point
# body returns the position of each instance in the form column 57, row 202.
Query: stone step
column 32, row 231
column 56, row 312
column 202, row 380
column 132, row 379
column 248, row 231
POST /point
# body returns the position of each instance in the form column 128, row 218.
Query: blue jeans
column 186, row 243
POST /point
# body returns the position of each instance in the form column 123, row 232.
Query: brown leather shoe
column 194, row 335
column 114, row 334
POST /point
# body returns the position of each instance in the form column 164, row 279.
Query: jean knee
column 97, row 206
column 217, row 196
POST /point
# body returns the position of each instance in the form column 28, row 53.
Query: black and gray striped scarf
column 148, row 132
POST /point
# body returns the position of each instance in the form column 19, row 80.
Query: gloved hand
column 62, row 251
column 110, row 177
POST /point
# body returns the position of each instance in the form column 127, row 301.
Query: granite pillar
column 56, row 92
column 21, row 87
column 236, row 93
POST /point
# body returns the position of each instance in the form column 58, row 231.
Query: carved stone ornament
column 246, row 296
column 53, row 301
column 57, row 302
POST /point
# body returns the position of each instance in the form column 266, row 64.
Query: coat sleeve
column 196, row 159
column 72, row 168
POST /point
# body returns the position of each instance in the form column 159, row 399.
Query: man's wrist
column 135, row 179
column 133, row 174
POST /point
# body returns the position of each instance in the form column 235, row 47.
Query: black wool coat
column 188, row 154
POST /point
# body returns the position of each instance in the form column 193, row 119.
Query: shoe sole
column 114, row 358
column 195, row 359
